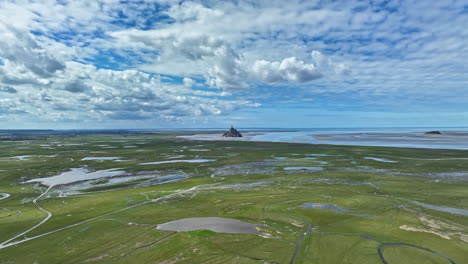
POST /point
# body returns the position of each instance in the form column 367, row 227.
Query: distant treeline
column 20, row 135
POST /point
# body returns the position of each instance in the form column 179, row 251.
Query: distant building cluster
column 232, row 132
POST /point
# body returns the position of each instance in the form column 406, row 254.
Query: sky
column 203, row 64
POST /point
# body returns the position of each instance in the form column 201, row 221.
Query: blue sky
column 163, row 64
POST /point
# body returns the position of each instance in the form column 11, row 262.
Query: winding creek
column 309, row 230
column 440, row 208
column 4, row 195
column 298, row 245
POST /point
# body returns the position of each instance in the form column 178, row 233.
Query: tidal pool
column 336, row 209
column 256, row 167
column 445, row 209
column 142, row 179
column 76, row 175
column 449, row 175
column 280, row 158
column 4, row 196
column 215, row 224
column 379, row 159
column 176, row 161
column 174, row 156
column 25, row 157
column 101, row 158
column 328, row 207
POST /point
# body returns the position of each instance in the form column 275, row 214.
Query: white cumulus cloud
column 287, row 70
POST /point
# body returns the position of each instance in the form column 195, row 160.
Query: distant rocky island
column 232, row 132
column 433, row 133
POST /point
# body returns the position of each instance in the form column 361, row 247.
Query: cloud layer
column 66, row 61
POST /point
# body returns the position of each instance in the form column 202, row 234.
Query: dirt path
column 8, row 243
column 49, row 215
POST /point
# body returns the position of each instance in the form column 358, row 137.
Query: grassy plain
column 371, row 204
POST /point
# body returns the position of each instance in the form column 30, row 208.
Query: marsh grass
column 253, row 187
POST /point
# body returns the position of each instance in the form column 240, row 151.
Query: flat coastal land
column 449, row 138
column 162, row 197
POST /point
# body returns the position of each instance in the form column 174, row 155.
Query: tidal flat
column 253, row 202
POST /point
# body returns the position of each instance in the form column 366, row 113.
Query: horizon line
column 213, row 128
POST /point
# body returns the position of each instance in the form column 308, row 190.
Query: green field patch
column 202, row 233
column 410, row 255
column 356, row 202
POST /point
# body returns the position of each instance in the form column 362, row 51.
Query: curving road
column 8, row 243
column 49, row 215
column 307, row 231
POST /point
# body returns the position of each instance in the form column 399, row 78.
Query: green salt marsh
column 389, row 212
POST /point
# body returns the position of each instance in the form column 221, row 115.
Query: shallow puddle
column 215, row 224
column 176, row 161
column 137, row 180
column 336, row 209
column 328, row 207
column 445, row 209
column 379, row 159
column 101, row 158
column 76, row 175
column 25, row 157
column 4, row 196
